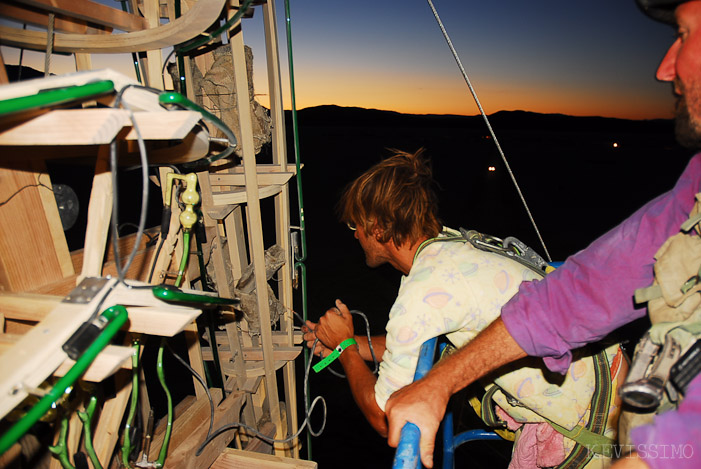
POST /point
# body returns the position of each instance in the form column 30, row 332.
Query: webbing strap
column 590, row 439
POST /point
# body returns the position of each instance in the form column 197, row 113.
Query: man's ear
column 377, row 232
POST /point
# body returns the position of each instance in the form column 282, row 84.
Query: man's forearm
column 378, row 346
column 362, row 384
column 491, row 349
column 424, row 401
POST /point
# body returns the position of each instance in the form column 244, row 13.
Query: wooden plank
column 264, row 178
column 153, row 75
column 254, row 354
column 183, row 456
column 188, row 414
column 197, row 19
column 53, row 219
column 137, row 99
column 158, row 318
column 99, row 213
column 92, row 12
column 255, row 227
column 4, row 80
column 27, row 306
column 38, row 353
column 40, row 18
column 112, row 358
column 238, row 459
column 278, row 337
column 68, row 127
column 194, row 352
column 28, row 258
column 83, row 61
column 108, row 426
column 98, row 127
column 242, row 196
column 107, row 362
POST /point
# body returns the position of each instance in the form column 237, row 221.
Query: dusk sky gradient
column 583, row 58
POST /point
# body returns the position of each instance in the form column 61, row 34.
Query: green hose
column 169, row 427
column 86, row 418
column 126, row 445
column 303, row 256
column 117, row 316
column 186, row 255
column 61, row 449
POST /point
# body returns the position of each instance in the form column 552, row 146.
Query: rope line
column 49, row 44
column 489, row 126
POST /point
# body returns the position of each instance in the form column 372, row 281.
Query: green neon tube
column 117, row 316
column 55, row 97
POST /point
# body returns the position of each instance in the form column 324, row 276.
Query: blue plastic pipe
column 407, row 455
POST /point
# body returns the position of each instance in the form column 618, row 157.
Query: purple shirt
column 674, row 439
column 591, row 295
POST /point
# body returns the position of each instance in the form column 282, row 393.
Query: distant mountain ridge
column 333, row 115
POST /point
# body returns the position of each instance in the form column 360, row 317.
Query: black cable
column 38, row 184
column 201, row 381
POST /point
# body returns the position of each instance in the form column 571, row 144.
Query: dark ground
column 576, row 183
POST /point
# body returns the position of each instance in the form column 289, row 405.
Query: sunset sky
column 585, row 58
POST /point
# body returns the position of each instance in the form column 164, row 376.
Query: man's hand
column 335, row 326
column 310, row 338
column 422, row 403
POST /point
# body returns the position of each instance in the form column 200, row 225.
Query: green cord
column 169, row 427
column 61, row 447
column 301, row 258
column 126, row 445
column 186, row 255
column 86, row 418
column 117, row 316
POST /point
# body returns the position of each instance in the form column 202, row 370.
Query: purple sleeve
column 591, row 294
column 674, row 438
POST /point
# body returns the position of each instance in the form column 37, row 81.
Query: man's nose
column 667, row 70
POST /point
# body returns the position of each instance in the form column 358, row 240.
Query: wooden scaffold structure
column 215, row 282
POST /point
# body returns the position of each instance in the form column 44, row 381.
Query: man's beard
column 686, row 130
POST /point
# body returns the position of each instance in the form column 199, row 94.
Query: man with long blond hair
column 449, row 288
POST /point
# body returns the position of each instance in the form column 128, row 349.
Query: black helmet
column 660, row 10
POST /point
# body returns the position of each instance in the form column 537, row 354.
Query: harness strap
column 590, row 438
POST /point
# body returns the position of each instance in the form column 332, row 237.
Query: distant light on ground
column 491, row 168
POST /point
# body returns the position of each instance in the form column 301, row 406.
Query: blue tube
column 407, row 455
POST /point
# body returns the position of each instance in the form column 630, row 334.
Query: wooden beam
column 264, row 178
column 196, row 20
column 188, row 414
column 238, row 459
column 98, row 127
column 254, row 354
column 184, row 457
column 92, row 12
column 242, row 195
column 35, row 17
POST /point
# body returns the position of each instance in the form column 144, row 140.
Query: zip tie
column 334, row 355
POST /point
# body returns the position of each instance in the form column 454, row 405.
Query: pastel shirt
column 453, row 289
